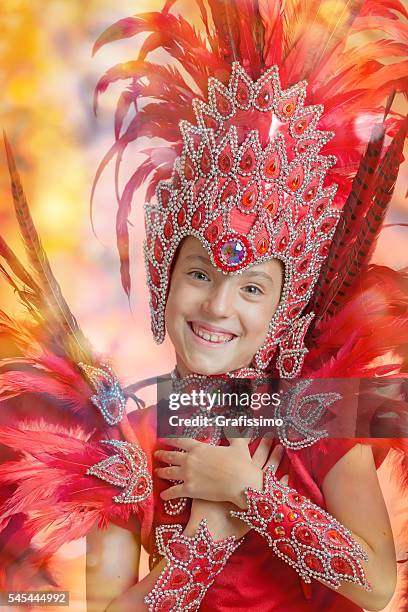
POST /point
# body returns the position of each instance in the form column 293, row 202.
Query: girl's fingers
column 235, row 436
column 169, row 473
column 261, row 454
column 172, row 457
column 183, row 443
column 275, row 457
column 173, row 492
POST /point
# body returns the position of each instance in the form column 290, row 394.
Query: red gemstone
column 288, row 364
column 287, row 549
column 141, row 486
column 294, row 310
column 282, row 238
column 341, row 566
column 181, row 217
column 225, row 161
column 192, row 595
column 250, row 196
column 262, row 246
column 328, row 224
column 314, row 563
column 197, row 218
column 272, row 166
column 211, row 233
column 288, row 108
column 154, row 275
column 165, row 197
column 230, row 191
column 178, row 578
column 306, row 536
column 295, row 178
column 264, row 509
column 242, row 94
column 264, row 97
column 158, row 251
column 219, row 555
column 210, row 122
column 177, row 181
column 324, row 249
column 167, row 603
column 155, row 301
column 304, row 264
column 189, row 170
column 247, row 162
column 222, row 104
column 335, row 538
column 205, row 163
column 168, row 228
column 201, row 548
column 179, row 551
column 300, row 126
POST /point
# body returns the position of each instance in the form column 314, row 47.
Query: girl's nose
column 220, row 301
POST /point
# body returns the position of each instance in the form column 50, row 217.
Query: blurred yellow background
column 47, row 77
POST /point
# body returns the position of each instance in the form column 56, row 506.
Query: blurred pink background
column 47, row 77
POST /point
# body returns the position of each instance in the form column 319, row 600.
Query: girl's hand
column 216, row 473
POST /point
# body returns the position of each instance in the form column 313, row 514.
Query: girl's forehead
column 193, row 251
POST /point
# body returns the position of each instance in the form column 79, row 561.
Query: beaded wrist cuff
column 313, row 542
column 192, row 566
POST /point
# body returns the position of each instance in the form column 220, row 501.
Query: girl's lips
column 207, row 343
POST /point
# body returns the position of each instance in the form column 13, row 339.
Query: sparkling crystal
column 232, row 252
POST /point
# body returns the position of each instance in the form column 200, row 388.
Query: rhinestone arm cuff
column 192, row 564
column 312, row 541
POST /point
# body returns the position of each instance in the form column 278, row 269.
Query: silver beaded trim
column 186, row 557
column 128, row 469
column 198, row 187
column 295, row 418
column 109, row 397
column 318, row 523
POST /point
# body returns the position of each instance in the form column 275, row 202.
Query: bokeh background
column 47, row 77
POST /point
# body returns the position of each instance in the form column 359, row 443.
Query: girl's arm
column 353, row 496
column 112, row 564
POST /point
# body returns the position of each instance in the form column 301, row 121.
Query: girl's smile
column 216, row 321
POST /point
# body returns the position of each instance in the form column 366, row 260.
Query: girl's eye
column 253, row 290
column 198, row 275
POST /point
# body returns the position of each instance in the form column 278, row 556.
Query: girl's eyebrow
column 254, row 273
column 200, row 257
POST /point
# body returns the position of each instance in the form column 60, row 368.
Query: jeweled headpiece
column 249, row 195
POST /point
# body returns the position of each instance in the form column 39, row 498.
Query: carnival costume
column 264, row 162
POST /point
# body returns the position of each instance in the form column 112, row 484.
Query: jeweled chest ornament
column 249, row 195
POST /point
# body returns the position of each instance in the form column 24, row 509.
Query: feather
column 363, row 245
column 54, row 303
column 354, row 210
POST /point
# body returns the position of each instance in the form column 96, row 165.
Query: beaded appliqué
column 127, row 469
column 312, row 541
column 192, row 566
column 109, row 397
column 301, row 413
column 249, row 196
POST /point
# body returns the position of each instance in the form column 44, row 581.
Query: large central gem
column 232, row 252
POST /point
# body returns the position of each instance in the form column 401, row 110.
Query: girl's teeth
column 211, row 337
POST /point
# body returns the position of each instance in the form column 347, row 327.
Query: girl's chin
column 207, row 369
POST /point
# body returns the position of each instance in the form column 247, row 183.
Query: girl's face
column 217, row 322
